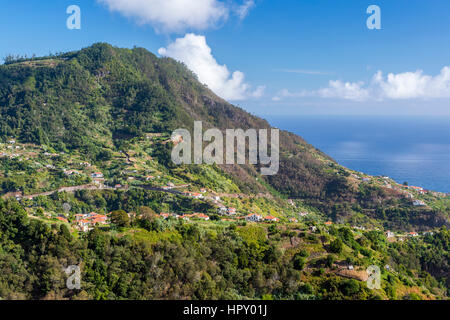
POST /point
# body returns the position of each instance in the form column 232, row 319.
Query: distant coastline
column 409, row 149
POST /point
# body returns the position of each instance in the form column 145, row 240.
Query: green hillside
column 89, row 131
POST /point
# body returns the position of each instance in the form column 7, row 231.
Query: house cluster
column 186, row 217
column 224, row 211
column 86, row 222
column 420, row 190
column 389, row 234
column 254, row 217
column 194, row 195
column 251, row 217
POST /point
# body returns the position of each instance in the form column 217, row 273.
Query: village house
column 84, row 225
column 87, row 221
column 194, row 195
column 165, row 215
column 62, row 219
column 390, row 234
column 231, row 211
column 271, row 219
column 328, row 223
column 97, row 175
column 253, row 217
column 313, row 228
column 413, row 234
column 201, row 216
column 222, row 210
column 186, row 217
column 293, row 220
column 197, row 195
column 419, row 203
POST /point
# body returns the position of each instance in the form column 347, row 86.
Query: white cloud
column 193, row 50
column 172, row 15
column 411, row 85
column 244, row 9
column 401, row 86
column 345, row 90
column 179, row 15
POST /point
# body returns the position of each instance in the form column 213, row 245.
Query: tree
column 299, row 262
column 64, row 230
column 120, row 218
column 329, row 261
column 350, row 287
column 336, row 246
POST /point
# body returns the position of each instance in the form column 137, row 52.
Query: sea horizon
column 413, row 149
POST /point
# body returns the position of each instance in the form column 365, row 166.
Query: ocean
column 409, row 149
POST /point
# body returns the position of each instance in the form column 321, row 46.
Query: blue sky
column 278, row 57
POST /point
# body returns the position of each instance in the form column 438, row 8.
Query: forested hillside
column 95, row 100
column 86, row 179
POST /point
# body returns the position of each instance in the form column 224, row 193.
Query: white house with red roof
column 97, row 175
column 271, row 219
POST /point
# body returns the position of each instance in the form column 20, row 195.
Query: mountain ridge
column 95, row 100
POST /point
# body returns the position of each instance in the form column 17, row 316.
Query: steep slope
column 96, row 100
